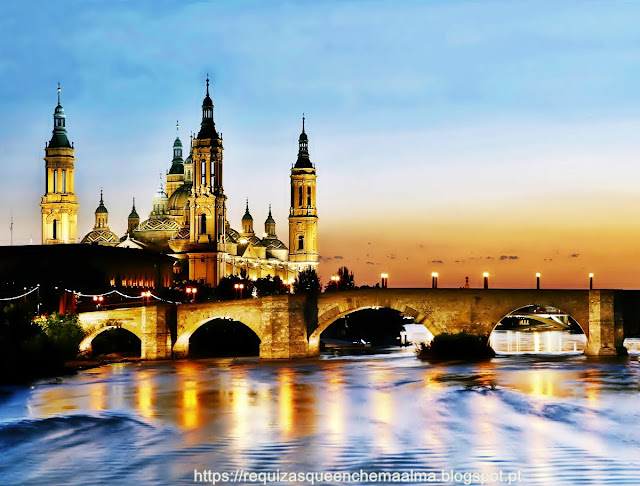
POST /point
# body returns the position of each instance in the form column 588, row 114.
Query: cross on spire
column 59, row 92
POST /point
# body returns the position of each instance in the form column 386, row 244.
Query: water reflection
column 552, row 419
column 538, row 342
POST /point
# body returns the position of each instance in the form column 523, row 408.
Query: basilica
column 189, row 217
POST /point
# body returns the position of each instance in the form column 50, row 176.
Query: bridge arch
column 335, row 306
column 86, row 345
column 192, row 317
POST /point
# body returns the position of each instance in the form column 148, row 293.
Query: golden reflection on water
column 382, row 402
column 97, row 396
column 240, row 407
column 335, row 404
column 190, row 410
column 285, row 400
column 145, row 394
column 543, row 383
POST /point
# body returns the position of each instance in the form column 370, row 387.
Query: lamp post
column 486, row 279
column 98, row 299
column 591, row 281
column 238, row 288
column 434, row 280
column 537, row 281
column 145, row 296
column 385, row 279
column 335, row 279
column 191, row 293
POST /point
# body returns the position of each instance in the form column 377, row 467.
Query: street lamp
column 385, row 278
column 538, row 281
column 335, row 279
column 98, row 299
column 145, row 296
column 591, row 281
column 434, row 280
column 239, row 288
column 191, row 293
column 486, row 279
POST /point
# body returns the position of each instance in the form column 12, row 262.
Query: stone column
column 606, row 331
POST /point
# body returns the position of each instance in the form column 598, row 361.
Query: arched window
column 300, row 195
column 64, row 181
column 309, row 196
column 203, row 175
column 55, row 181
column 55, row 229
column 211, row 183
column 203, row 224
column 300, row 242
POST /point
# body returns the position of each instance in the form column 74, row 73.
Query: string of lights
column 80, row 294
column 21, row 296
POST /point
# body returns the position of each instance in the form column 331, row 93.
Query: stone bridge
column 290, row 326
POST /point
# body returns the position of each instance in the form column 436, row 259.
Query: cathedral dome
column 273, row 244
column 101, row 236
column 180, row 198
column 159, row 224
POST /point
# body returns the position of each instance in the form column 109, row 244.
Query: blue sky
column 421, row 115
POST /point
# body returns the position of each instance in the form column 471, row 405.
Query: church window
column 64, row 181
column 55, row 229
column 203, row 175
column 309, row 196
column 300, row 195
column 55, row 181
column 211, row 173
column 203, row 224
column 300, row 242
column 292, row 194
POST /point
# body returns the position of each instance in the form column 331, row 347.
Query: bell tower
column 59, row 203
column 303, row 214
column 207, row 209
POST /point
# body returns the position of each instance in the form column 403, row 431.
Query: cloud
column 369, row 263
column 338, row 257
column 437, row 261
column 508, row 257
column 392, row 256
column 574, row 255
column 489, row 258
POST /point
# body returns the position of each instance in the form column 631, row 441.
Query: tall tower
column 207, row 211
column 303, row 214
column 59, row 203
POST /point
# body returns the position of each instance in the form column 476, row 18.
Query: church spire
column 207, row 127
column 303, row 161
column 59, row 137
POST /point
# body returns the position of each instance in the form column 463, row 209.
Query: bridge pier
column 606, row 330
column 284, row 328
column 155, row 336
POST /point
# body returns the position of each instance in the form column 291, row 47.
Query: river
column 555, row 420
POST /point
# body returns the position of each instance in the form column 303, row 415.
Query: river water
column 555, row 420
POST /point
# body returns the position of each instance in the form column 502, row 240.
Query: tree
column 345, row 281
column 270, row 286
column 63, row 332
column 307, row 282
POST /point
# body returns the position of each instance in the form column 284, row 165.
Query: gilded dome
column 159, row 224
column 273, row 244
column 182, row 234
column 101, row 236
column 180, row 198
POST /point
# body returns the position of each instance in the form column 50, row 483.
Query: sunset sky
column 448, row 136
